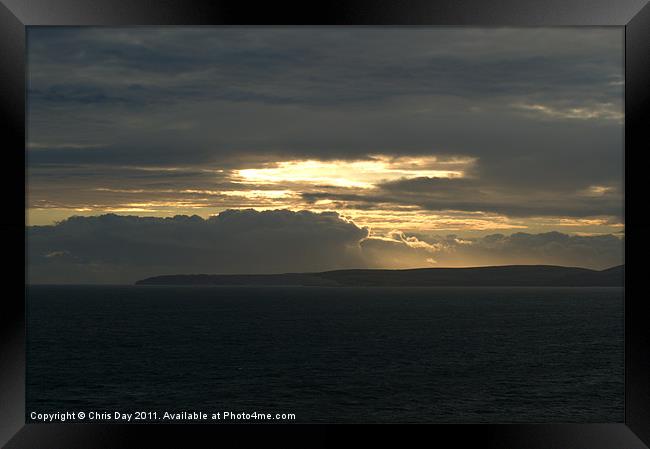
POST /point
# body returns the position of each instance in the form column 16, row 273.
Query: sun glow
column 363, row 174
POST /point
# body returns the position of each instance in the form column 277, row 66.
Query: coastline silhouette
column 501, row 276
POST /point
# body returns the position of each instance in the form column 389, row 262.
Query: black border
column 16, row 14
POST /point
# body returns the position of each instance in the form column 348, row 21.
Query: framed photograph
column 293, row 218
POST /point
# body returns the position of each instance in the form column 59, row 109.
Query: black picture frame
column 15, row 15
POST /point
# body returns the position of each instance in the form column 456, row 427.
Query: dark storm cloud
column 326, row 65
column 467, row 194
column 473, row 194
column 539, row 109
column 113, row 248
column 119, row 249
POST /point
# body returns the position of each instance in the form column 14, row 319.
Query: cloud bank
column 121, row 249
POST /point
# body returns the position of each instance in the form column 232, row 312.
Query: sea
column 328, row 354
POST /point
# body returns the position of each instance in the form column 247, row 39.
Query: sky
column 161, row 150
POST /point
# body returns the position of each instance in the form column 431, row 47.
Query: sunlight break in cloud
column 362, row 174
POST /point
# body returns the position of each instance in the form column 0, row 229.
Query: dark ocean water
column 330, row 354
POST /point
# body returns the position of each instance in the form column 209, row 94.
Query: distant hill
column 509, row 275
